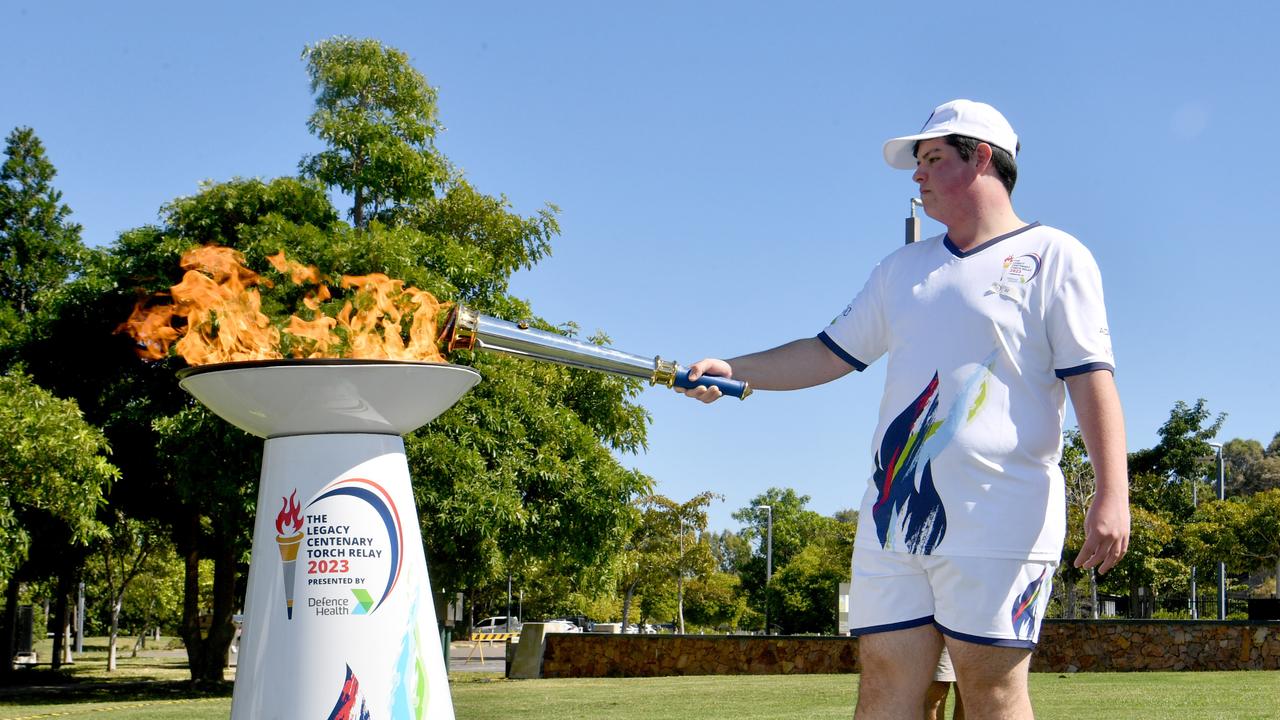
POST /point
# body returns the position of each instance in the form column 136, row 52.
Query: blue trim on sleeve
column 1065, row 373
column 979, row 640
column 905, row 625
column 854, row 362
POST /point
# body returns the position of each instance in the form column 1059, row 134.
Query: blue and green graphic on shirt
column 908, row 448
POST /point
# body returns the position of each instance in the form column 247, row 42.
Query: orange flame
column 216, row 316
column 289, row 516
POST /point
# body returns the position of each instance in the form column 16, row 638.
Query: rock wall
column 1065, row 646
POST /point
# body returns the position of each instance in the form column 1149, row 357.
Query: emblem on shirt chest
column 1015, row 273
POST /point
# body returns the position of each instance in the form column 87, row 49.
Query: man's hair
column 1001, row 160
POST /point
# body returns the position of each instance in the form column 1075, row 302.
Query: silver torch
column 467, row 329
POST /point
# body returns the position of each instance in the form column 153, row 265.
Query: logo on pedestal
column 289, row 537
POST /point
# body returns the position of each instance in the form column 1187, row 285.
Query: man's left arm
column 1106, row 526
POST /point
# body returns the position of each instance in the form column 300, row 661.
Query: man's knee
column 991, row 677
column 897, row 667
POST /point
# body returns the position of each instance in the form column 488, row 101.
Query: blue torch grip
column 728, row 386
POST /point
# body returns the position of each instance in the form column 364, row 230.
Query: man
column 963, row 519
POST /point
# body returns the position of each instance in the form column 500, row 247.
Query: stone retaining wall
column 1065, row 646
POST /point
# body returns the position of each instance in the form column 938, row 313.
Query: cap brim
column 898, row 152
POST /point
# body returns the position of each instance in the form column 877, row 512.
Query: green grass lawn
column 1162, row 696
column 154, row 688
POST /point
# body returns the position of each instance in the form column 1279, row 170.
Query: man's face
column 944, row 179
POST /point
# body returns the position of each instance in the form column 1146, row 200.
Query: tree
column 520, row 474
column 1250, row 468
column 1260, row 532
column 716, row 601
column 378, row 117
column 805, row 591
column 1183, row 449
column 121, row 558
column 794, row 527
column 663, row 548
column 1244, row 533
column 39, row 246
column 53, row 472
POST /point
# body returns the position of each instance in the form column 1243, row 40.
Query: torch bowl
column 279, row 398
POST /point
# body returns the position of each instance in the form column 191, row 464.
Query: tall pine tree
column 39, row 247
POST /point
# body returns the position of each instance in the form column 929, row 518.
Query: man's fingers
column 1102, row 553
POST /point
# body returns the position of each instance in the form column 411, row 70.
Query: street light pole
column 1195, row 604
column 768, row 568
column 680, row 580
column 1222, row 566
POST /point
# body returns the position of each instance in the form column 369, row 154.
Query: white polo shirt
column 966, row 450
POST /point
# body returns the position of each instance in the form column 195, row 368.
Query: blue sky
column 718, row 170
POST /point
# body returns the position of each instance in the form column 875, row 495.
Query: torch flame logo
column 290, row 515
column 215, row 315
column 289, row 539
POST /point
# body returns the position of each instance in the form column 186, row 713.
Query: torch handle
column 728, row 386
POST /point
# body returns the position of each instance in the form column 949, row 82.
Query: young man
column 986, row 328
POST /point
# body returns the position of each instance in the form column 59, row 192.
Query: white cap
column 958, row 117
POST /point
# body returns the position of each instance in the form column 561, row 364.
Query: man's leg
column 935, row 700
column 992, row 679
column 897, row 668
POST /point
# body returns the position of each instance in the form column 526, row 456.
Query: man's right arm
column 798, row 364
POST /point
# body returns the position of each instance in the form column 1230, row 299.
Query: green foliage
column 519, row 477
column 39, row 247
column 715, row 601
column 377, row 115
column 1251, row 468
column 51, row 463
column 1184, row 448
column 804, row 593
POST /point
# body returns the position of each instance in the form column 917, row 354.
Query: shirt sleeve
column 1076, row 316
column 858, row 335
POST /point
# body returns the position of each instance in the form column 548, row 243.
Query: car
column 567, row 625
column 497, row 624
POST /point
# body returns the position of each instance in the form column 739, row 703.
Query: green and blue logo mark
column 364, row 601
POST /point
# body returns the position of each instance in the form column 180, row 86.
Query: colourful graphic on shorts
column 1024, row 609
column 341, row 550
column 908, row 512
column 351, row 704
column 288, row 538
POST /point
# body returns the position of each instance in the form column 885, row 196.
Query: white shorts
column 991, row 601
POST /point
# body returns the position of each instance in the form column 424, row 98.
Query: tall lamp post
column 768, row 568
column 680, row 582
column 1222, row 566
column 1195, row 604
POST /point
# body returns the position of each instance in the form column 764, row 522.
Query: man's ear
column 982, row 157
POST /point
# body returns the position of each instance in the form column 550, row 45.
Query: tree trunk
column 626, row 603
column 1069, row 600
column 680, row 603
column 115, row 632
column 61, row 619
column 1093, row 591
column 9, row 625
column 208, row 653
